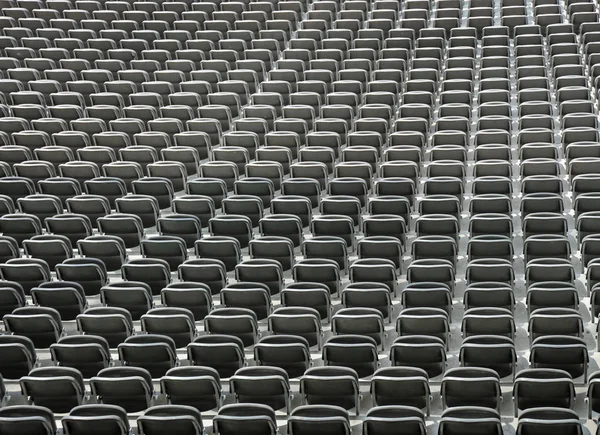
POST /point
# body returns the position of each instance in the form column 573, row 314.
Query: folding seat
column 400, row 389
column 262, row 179
column 54, row 154
column 440, row 204
column 538, row 150
column 12, row 296
column 196, row 387
column 471, row 387
column 352, row 179
column 318, row 154
column 332, row 386
column 159, row 189
column 20, row 355
column 6, row 205
column 551, row 295
column 362, row 154
column 383, row 419
column 560, row 352
column 571, row 121
column 255, row 418
column 542, row 387
column 225, row 353
column 111, row 188
column 218, row 112
column 360, row 321
column 20, row 226
column 319, row 419
column 155, row 272
column 9, row 86
column 132, row 296
column 342, row 205
column 127, row 387
column 364, row 270
column 308, row 188
column 334, row 225
column 266, row 385
column 267, row 271
column 175, row 111
column 145, row 206
column 28, row 112
column 228, row 156
column 495, row 353
column 542, row 183
column 288, row 352
column 194, row 297
column 539, row 167
column 551, row 269
column 444, row 185
column 248, row 76
column 27, row 418
column 126, row 227
column 186, row 156
column 423, row 351
column 52, row 249
column 41, row 206
column 555, row 321
column 277, row 248
column 108, row 248
column 155, row 353
column 548, row 204
column 42, row 325
column 437, row 224
column 485, row 224
column 427, row 295
column 171, row 249
column 592, row 393
column 546, row 245
column 553, row 224
column 490, row 246
column 16, row 187
column 226, row 171
column 462, row 419
column 57, row 388
column 490, row 269
column 211, row 272
column 488, row 321
column 545, row 420
column 389, row 204
column 27, row 272
column 85, row 353
column 424, row 321
column 90, row 273
column 35, row 170
column 185, row 226
column 12, row 154
column 113, row 324
column 93, row 419
column 296, row 126
column 448, row 153
column 127, row 171
column 184, row 419
column 222, row 248
column 239, row 322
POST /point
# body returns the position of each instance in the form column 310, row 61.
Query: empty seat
column 253, row 418
column 58, row 388
column 152, row 352
column 96, row 419
column 28, row 419
column 183, row 419
column 88, row 354
column 127, row 387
